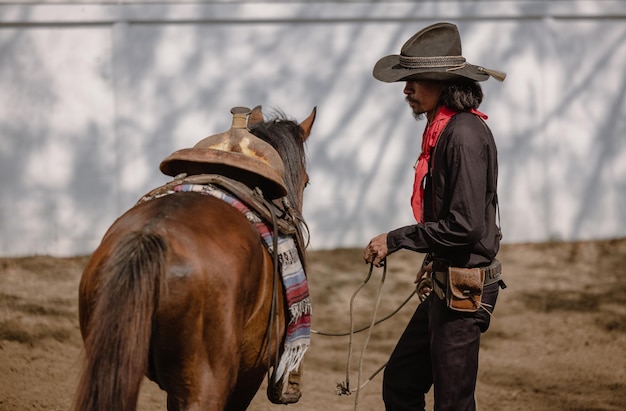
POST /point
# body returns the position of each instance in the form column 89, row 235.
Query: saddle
column 237, row 154
column 240, row 163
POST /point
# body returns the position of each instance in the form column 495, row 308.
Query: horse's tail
column 120, row 324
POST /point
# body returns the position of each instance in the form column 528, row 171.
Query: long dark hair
column 461, row 95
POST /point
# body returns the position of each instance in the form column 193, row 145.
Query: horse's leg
column 205, row 371
column 254, row 349
column 193, row 355
column 206, row 387
column 197, row 341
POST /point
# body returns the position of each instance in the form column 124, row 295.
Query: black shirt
column 460, row 198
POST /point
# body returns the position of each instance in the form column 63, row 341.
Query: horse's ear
column 256, row 116
column 307, row 124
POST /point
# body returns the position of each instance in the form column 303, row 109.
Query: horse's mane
column 286, row 136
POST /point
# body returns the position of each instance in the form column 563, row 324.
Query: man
column 455, row 205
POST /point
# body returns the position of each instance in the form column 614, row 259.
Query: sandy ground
column 558, row 340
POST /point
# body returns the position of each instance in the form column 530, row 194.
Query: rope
column 431, row 61
column 383, row 319
column 344, row 387
column 274, row 319
column 369, row 333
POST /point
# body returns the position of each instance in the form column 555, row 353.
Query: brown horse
column 180, row 290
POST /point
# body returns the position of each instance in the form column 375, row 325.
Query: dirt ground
column 557, row 342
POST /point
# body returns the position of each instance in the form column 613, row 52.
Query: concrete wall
column 94, row 96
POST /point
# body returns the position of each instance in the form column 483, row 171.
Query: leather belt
column 492, row 272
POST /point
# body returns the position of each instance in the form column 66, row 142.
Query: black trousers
column 438, row 348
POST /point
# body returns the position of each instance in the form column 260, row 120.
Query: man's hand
column 424, row 281
column 376, row 250
column 424, row 271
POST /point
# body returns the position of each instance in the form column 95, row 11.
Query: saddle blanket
column 298, row 334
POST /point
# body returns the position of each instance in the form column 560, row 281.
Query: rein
column 343, row 388
column 273, row 311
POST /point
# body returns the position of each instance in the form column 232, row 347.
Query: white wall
column 94, row 96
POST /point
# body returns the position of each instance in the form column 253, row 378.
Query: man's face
column 422, row 96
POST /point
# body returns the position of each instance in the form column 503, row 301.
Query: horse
column 180, row 290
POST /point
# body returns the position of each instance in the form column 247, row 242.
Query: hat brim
column 389, row 70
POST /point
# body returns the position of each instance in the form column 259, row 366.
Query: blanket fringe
column 290, row 360
column 299, row 309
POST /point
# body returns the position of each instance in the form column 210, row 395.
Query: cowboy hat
column 433, row 53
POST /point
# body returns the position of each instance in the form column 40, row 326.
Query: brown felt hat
column 433, row 53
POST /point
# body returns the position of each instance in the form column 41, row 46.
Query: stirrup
column 286, row 392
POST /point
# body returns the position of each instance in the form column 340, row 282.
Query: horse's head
column 288, row 138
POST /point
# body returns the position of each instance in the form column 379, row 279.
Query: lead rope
column 344, row 387
column 388, row 316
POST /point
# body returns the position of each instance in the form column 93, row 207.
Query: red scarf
column 429, row 139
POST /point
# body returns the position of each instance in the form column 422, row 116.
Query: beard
column 419, row 116
column 416, row 114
